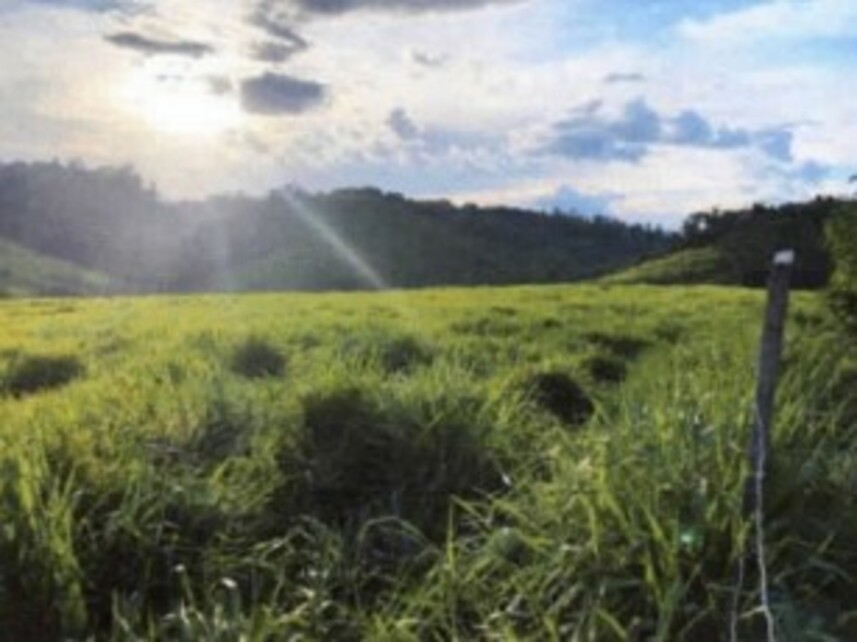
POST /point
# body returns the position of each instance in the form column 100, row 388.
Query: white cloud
column 480, row 88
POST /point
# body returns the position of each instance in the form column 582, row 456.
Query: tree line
column 747, row 238
column 109, row 220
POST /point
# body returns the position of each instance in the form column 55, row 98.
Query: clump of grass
column 224, row 431
column 506, row 311
column 606, row 369
column 131, row 542
column 256, row 358
column 487, row 326
column 404, row 353
column 669, row 332
column 360, row 456
column 626, row 346
column 33, row 373
column 562, row 396
column 393, row 352
column 548, row 323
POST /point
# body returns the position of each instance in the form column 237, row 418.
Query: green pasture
column 533, row 463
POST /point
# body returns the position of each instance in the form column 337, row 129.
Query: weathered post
column 770, row 355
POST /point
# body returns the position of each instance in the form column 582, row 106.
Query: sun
column 180, row 105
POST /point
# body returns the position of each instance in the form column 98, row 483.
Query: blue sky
column 645, row 111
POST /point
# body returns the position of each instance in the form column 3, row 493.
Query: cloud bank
column 589, row 135
column 156, row 46
column 278, row 94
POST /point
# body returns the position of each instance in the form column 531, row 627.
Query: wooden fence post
column 770, row 356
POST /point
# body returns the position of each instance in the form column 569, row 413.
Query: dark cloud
column 277, row 94
column 332, row 7
column 275, row 52
column 638, row 123
column 425, row 141
column 691, row 129
column 402, row 125
column 280, row 19
column 588, row 135
column 277, row 20
column 154, row 46
column 426, row 59
column 624, row 77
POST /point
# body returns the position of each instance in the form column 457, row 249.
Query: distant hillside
column 735, row 247
column 357, row 238
column 25, row 272
column 683, row 266
column 107, row 220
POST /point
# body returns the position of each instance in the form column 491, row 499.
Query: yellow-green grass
column 411, row 465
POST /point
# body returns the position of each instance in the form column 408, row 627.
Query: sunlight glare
column 180, row 106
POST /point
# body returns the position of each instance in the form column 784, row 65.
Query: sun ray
column 336, row 243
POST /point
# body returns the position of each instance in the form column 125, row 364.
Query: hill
column 735, row 247
column 107, row 220
column 684, row 266
column 25, row 272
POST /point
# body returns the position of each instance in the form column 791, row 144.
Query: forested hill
column 107, row 220
column 735, row 247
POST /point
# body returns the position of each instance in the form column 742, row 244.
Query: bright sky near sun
column 642, row 109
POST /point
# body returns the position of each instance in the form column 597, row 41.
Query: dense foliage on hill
column 108, row 220
column 746, row 240
column 842, row 235
column 735, row 247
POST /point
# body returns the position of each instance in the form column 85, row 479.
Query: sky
column 642, row 110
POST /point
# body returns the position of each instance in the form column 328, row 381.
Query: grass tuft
column 558, row 393
column 34, row 373
column 360, row 456
column 625, row 346
column 606, row 369
column 256, row 358
column 391, row 351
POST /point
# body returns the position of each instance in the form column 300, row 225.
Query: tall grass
column 413, row 478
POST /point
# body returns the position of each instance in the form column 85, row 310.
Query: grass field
column 492, row 463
